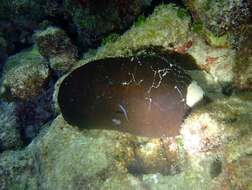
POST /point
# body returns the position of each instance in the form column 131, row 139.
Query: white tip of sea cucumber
column 194, row 94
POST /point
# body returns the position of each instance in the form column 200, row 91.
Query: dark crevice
column 33, row 114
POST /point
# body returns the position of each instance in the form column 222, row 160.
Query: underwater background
column 126, row 94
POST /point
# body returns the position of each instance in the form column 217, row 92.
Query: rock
column 3, row 53
column 240, row 173
column 54, row 45
column 218, row 62
column 63, row 146
column 62, row 62
column 123, row 182
column 21, row 18
column 18, row 20
column 219, row 17
column 156, row 155
column 17, row 170
column 216, row 123
column 34, row 114
column 61, row 153
column 90, row 21
column 164, row 28
column 237, row 168
column 243, row 65
column 95, row 19
column 9, row 129
column 25, row 74
column 28, row 80
column 217, row 153
column 205, row 155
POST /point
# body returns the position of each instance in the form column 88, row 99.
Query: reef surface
column 45, row 60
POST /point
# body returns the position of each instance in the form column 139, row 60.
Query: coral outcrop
column 55, row 45
column 219, row 16
column 25, row 74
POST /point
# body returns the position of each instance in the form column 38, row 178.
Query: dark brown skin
column 140, row 95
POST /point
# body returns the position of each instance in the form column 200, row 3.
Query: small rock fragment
column 54, row 44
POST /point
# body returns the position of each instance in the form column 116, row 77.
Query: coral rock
column 243, row 66
column 9, row 132
column 54, row 44
column 219, row 16
column 25, row 74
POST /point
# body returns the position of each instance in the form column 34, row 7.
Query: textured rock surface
column 219, row 122
column 25, row 74
column 55, row 45
column 58, row 158
column 9, row 128
column 219, row 62
column 206, row 155
column 18, row 20
column 163, row 28
column 17, row 170
column 26, row 82
column 243, row 66
column 219, row 16
column 87, row 19
column 167, row 29
column 96, row 18
column 3, row 54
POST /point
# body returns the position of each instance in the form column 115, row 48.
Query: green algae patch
column 217, row 41
column 140, row 20
column 31, row 55
column 110, row 38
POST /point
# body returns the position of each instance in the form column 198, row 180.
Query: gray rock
column 243, row 64
column 25, row 74
column 17, row 171
column 214, row 139
column 219, row 16
column 18, row 20
column 95, row 19
column 54, row 44
column 9, row 132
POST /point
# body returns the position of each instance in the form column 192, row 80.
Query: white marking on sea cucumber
column 116, row 121
column 149, row 102
column 194, row 94
column 124, row 112
column 180, row 93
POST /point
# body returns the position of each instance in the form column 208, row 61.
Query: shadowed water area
column 142, row 95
